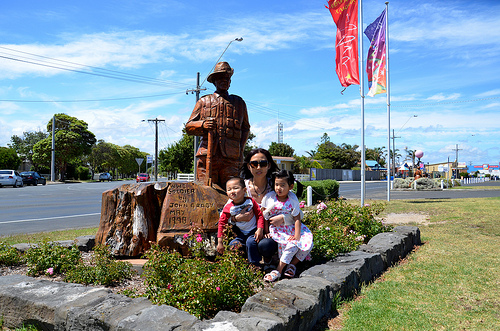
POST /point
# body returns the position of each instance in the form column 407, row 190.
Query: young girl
column 248, row 233
column 295, row 240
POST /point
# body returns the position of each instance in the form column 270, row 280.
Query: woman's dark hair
column 288, row 175
column 245, row 172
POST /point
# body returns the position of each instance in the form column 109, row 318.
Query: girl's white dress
column 281, row 233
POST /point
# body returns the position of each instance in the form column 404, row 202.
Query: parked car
column 33, row 178
column 105, row 176
column 142, row 178
column 10, row 178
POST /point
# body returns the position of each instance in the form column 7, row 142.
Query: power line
column 84, row 72
column 92, row 100
column 93, row 67
column 80, row 68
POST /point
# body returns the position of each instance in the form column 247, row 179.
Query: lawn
column 451, row 282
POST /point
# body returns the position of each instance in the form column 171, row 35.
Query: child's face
column 281, row 187
column 235, row 191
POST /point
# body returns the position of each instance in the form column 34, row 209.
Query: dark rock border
column 291, row 304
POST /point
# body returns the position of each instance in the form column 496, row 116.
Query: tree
column 249, row 144
column 178, row 156
column 9, row 158
column 72, row 140
column 24, row 145
column 104, row 156
column 280, row 149
column 376, row 154
column 128, row 165
column 344, row 156
column 302, row 164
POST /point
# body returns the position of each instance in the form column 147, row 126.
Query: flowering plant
column 319, row 208
column 340, row 227
column 199, row 286
column 194, row 240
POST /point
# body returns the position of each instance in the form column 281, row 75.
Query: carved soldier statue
column 222, row 121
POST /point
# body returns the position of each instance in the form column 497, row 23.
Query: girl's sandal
column 290, row 271
column 272, row 276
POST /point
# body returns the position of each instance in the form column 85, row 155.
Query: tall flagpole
column 388, row 101
column 362, row 92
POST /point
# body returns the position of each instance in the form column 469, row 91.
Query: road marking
column 49, row 218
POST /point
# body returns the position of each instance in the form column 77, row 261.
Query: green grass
column 50, row 236
column 452, row 282
column 475, row 188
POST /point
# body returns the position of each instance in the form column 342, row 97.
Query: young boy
column 248, row 233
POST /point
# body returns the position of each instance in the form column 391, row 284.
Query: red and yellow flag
column 345, row 16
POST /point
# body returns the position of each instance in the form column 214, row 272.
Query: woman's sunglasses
column 261, row 163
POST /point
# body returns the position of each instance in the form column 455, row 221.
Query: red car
column 142, row 178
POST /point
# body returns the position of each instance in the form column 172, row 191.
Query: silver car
column 10, row 178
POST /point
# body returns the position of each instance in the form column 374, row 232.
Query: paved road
column 378, row 191
column 67, row 206
column 32, row 209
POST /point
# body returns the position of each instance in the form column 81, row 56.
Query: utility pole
column 156, row 120
column 456, row 160
column 393, row 153
column 196, row 138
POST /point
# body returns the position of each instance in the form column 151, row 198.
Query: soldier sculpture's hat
column 221, row 68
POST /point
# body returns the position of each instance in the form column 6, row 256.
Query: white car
column 10, row 178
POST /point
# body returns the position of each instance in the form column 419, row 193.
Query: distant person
column 248, row 232
column 225, row 116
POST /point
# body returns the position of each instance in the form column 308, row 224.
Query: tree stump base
column 133, row 216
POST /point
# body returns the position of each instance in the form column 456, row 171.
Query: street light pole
column 394, row 144
column 53, row 151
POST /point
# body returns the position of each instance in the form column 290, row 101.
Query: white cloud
column 489, row 93
column 442, row 97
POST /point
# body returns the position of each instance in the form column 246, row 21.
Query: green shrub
column 9, row 256
column 83, row 173
column 327, row 189
column 103, row 269
column 340, row 227
column 198, row 286
column 51, row 258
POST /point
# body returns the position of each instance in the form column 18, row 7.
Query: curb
column 291, row 304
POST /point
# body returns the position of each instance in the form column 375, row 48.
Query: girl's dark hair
column 245, row 172
column 288, row 175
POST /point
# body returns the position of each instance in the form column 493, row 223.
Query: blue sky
column 444, row 68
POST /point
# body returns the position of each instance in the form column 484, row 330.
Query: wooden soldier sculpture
column 222, row 121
